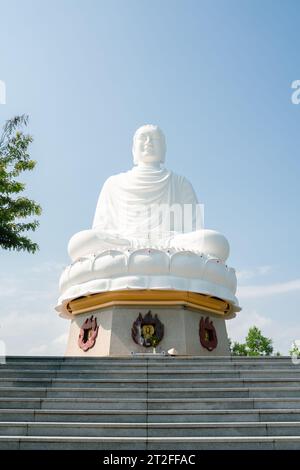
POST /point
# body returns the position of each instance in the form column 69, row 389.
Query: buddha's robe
column 146, row 203
column 148, row 207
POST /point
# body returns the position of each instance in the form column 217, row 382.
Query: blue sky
column 216, row 77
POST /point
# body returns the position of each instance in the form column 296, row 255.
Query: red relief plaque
column 147, row 330
column 88, row 334
column 208, row 335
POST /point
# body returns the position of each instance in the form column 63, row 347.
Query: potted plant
column 154, row 343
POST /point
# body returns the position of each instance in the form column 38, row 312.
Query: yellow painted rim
column 161, row 298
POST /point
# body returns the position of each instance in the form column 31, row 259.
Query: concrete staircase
column 149, row 402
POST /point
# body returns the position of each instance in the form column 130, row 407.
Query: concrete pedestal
column 181, row 331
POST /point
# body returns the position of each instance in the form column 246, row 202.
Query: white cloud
column 246, row 292
column 263, row 270
column 33, row 330
column 38, row 350
column 238, row 327
column 246, row 274
column 61, row 339
column 56, row 347
column 282, row 332
column 48, row 267
column 29, row 324
column 7, row 290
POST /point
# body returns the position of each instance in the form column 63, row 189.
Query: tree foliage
column 295, row 350
column 15, row 208
column 255, row 344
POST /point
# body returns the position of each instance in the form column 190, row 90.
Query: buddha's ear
column 135, row 159
column 164, row 147
column 164, row 154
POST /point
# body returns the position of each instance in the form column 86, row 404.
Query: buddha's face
column 148, row 146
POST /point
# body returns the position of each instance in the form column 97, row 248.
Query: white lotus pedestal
column 122, row 302
column 181, row 327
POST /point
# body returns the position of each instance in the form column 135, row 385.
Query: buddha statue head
column 149, row 146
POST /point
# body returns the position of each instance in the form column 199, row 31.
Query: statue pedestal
column 109, row 331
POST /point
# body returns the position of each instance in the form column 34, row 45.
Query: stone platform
column 181, row 331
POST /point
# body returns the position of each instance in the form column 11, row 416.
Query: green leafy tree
column 294, row 351
column 239, row 349
column 255, row 345
column 15, row 208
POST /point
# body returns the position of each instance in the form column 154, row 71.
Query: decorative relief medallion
column 88, row 334
column 147, row 331
column 208, row 335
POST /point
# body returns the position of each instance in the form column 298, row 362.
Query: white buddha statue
column 148, row 206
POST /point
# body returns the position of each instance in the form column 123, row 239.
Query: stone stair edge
column 145, row 412
column 151, row 400
column 151, row 439
column 152, row 372
column 152, row 390
column 203, row 380
column 167, row 425
column 151, row 356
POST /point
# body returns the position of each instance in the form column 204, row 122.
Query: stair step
column 68, row 429
column 148, row 358
column 155, row 443
column 149, row 404
column 150, row 383
column 85, row 392
column 151, row 416
column 170, row 364
column 134, row 375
